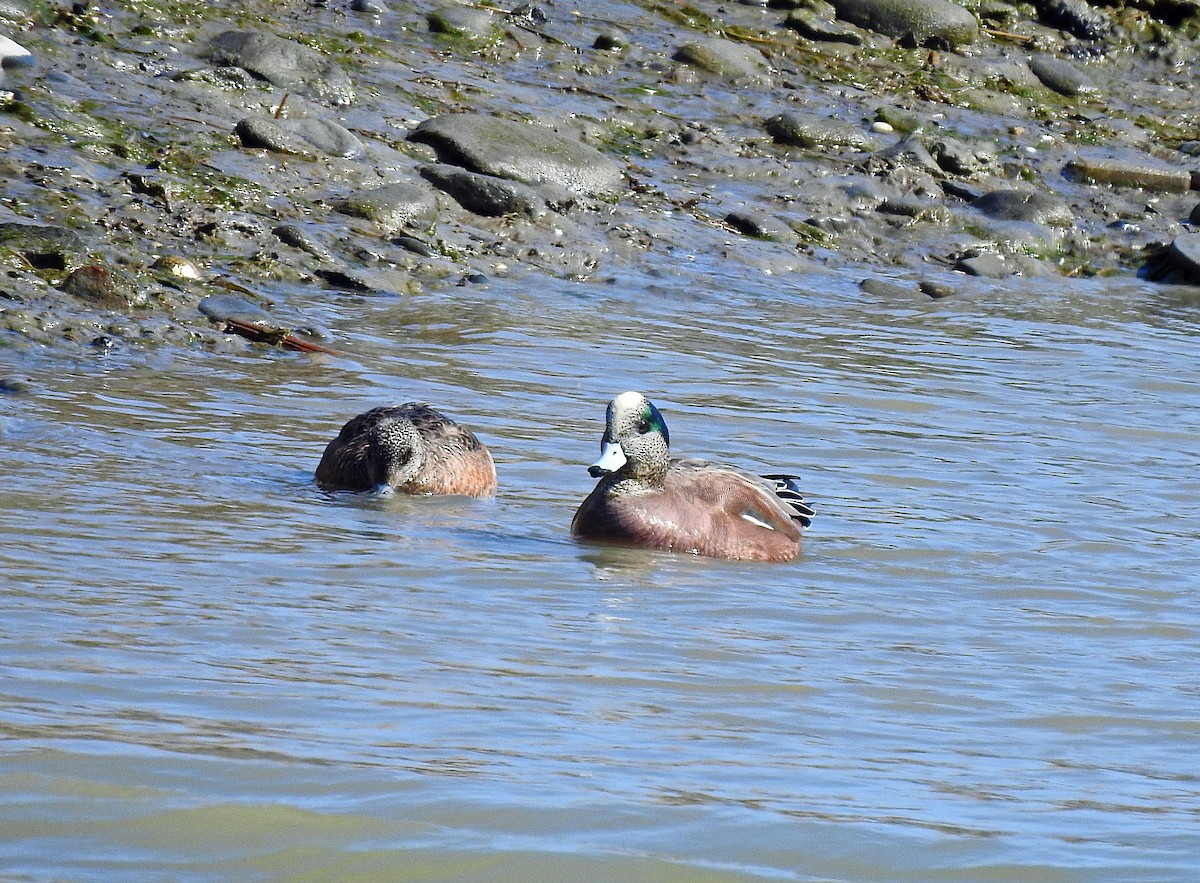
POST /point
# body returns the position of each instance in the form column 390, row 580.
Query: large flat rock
column 283, row 63
column 525, row 152
column 922, row 20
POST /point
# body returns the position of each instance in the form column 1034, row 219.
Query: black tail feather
column 787, row 488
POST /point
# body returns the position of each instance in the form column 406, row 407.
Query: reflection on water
column 982, row 667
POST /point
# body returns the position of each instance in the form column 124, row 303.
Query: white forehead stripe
column 628, row 400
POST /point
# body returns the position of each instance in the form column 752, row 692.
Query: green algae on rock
column 43, row 246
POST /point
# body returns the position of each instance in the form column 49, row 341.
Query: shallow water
column 983, row 667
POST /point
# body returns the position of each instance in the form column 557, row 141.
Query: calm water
column 984, row 666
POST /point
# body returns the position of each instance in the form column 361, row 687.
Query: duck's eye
column 643, row 426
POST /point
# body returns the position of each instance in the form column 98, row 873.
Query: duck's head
column 399, row 449
column 636, row 442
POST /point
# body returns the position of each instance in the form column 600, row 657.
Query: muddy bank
column 157, row 154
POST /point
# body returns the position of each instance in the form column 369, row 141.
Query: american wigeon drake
column 647, row 498
column 409, row 448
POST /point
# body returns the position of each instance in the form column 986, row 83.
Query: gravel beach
column 159, row 154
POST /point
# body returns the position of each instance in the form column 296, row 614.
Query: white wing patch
column 754, row 519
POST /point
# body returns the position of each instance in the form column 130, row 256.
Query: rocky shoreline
column 160, row 157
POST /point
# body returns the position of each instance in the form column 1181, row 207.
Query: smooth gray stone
column 303, row 137
column 344, row 279
column 923, row 20
column 485, row 194
column 283, row 63
column 935, row 289
column 226, row 307
column 810, row 24
column 101, row 287
column 758, row 225
column 13, row 54
column 884, row 288
column 471, row 22
column 811, row 130
column 1178, row 264
column 723, row 58
column 524, row 152
column 1031, row 206
column 392, row 206
column 990, row 265
column 1060, row 75
column 1076, row 17
column 960, row 158
column 909, row 152
column 1149, row 175
column 44, row 247
column 1185, row 252
column 292, row 235
column 610, row 41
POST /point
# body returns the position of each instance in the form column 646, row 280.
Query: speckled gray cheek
column 401, row 449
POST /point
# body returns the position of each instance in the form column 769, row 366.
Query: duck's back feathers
column 702, row 507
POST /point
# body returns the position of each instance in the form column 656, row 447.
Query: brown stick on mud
column 280, row 337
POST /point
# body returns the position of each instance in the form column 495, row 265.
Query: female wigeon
column 646, row 498
column 410, row 448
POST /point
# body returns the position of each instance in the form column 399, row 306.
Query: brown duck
column 410, row 449
column 646, row 498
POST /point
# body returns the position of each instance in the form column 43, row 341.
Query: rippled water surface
column 983, row 667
